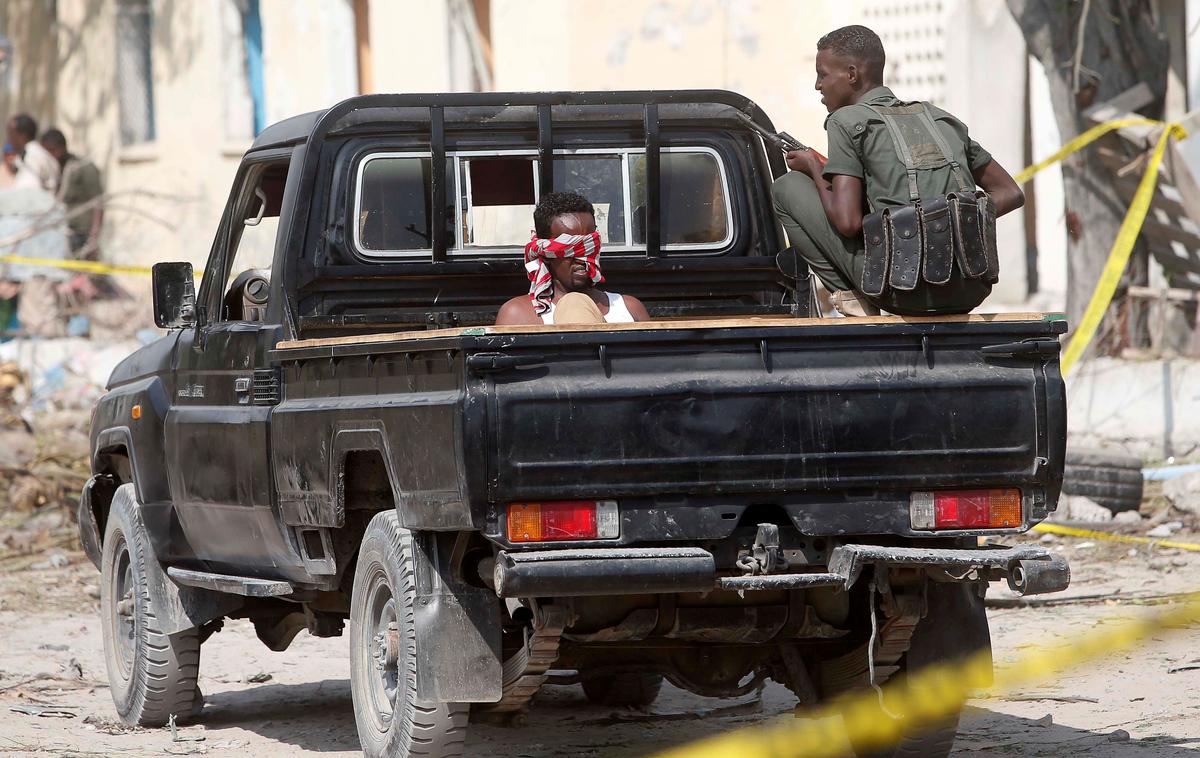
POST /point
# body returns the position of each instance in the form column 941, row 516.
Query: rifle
column 781, row 140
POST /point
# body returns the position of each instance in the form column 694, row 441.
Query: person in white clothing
column 33, row 165
column 562, row 263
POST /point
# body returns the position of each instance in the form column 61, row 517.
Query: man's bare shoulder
column 517, row 311
column 636, row 308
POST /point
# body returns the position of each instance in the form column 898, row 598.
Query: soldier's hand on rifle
column 806, row 161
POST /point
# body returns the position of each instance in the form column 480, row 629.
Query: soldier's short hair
column 861, row 44
column 555, row 204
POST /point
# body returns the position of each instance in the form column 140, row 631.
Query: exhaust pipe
column 1039, row 577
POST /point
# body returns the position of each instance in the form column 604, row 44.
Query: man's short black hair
column 859, row 43
column 554, row 204
column 54, row 137
column 24, row 125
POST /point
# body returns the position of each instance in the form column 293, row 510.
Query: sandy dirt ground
column 297, row 703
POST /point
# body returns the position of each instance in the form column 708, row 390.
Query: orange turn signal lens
column 136, row 412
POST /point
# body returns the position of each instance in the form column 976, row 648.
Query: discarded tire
column 1111, row 479
column 631, row 690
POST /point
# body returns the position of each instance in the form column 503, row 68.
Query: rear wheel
column 954, row 627
column 384, row 657
column 152, row 675
column 633, row 690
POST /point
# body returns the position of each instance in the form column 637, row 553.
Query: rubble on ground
column 47, row 388
column 1183, row 492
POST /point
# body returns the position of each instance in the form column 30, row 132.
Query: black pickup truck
column 736, row 490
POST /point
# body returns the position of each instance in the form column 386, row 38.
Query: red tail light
column 966, row 509
column 563, row 520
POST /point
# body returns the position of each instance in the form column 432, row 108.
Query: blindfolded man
column 562, row 263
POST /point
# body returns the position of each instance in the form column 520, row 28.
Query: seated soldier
column 821, row 205
column 562, row 263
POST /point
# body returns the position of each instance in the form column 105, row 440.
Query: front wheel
column 152, row 675
column 384, row 656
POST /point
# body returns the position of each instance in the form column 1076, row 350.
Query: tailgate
column 746, row 410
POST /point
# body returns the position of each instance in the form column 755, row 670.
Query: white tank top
column 618, row 313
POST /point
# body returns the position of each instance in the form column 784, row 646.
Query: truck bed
column 806, row 415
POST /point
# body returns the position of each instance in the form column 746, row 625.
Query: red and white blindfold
column 541, row 286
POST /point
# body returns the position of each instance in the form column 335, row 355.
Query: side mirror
column 174, row 295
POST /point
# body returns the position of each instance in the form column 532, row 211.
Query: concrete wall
column 1150, row 408
column 765, row 50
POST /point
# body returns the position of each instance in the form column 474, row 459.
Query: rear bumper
column 636, row 571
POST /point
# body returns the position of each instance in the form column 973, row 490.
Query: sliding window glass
column 394, row 208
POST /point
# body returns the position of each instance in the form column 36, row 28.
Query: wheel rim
column 123, row 616
column 381, row 645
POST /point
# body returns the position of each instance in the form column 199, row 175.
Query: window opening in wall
column 135, row 84
column 242, row 69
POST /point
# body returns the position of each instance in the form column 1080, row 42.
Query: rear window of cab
column 492, row 195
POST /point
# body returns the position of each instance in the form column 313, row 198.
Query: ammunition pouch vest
column 930, row 242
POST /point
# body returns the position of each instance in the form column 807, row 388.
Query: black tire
column 151, row 675
column 954, row 627
column 631, row 690
column 384, row 659
column 1113, row 480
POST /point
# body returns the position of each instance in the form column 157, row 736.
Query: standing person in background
column 34, row 166
column 80, row 184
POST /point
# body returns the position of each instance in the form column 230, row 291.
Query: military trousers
column 838, row 261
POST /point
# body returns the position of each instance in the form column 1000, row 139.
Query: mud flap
column 954, row 627
column 457, row 627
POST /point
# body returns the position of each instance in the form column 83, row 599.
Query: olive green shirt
column 860, row 145
column 80, row 183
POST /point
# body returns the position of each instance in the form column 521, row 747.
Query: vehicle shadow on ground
column 319, row 717
column 984, row 732
column 316, row 716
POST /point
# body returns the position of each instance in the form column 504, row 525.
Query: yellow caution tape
column 1080, row 142
column 1071, row 531
column 929, row 695
column 1118, row 257
column 86, row 267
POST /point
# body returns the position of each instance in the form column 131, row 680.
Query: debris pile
column 47, row 390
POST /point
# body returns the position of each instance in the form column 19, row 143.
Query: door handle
column 485, row 363
column 241, row 388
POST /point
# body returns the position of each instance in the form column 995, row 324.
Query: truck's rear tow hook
column 1038, row 577
column 765, row 556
